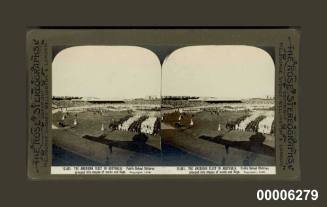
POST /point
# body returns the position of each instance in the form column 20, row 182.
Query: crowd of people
column 253, row 123
column 235, row 124
column 266, row 125
column 253, row 126
column 116, row 124
column 138, row 124
column 126, row 124
column 148, row 125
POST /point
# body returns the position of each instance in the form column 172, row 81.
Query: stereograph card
column 163, row 103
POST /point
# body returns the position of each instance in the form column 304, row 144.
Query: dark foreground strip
column 138, row 144
column 254, row 145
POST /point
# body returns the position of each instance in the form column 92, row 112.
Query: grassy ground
column 210, row 151
column 185, row 139
column 71, row 139
column 206, row 124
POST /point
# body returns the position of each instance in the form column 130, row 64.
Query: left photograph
column 105, row 106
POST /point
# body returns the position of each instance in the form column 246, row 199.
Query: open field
column 216, row 133
column 91, row 131
column 128, row 134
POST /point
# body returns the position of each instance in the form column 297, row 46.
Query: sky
column 126, row 72
column 223, row 72
column 106, row 72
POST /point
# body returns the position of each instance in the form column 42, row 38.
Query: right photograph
column 218, row 106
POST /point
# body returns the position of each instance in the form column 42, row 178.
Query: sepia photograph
column 218, row 106
column 173, row 103
column 210, row 105
column 106, row 106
